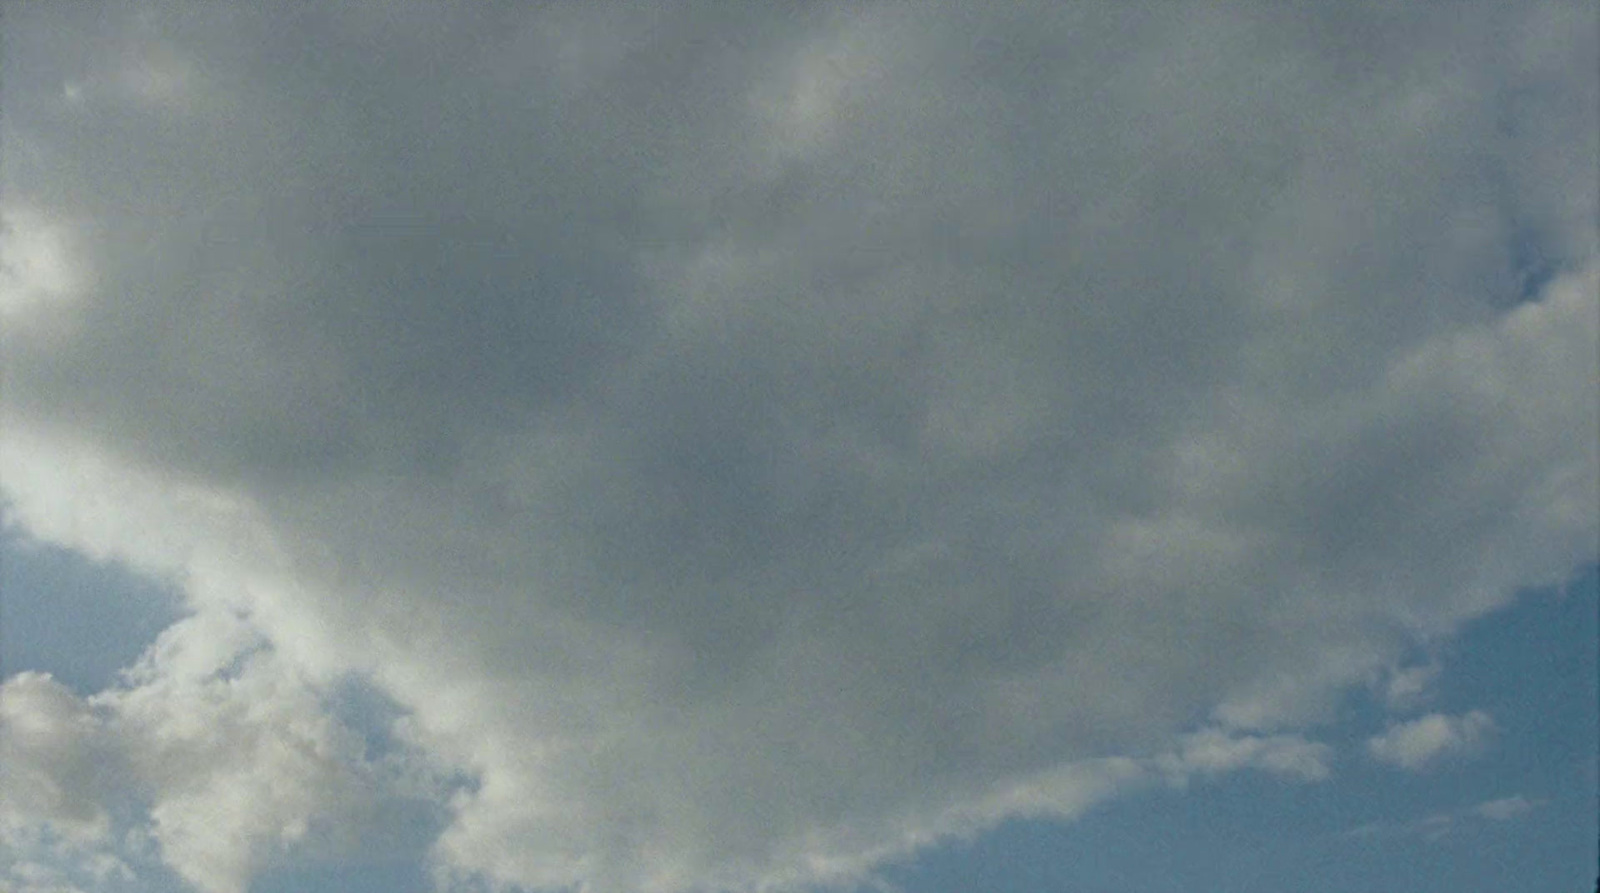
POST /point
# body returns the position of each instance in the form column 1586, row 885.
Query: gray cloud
column 753, row 442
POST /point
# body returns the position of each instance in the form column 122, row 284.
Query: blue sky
column 786, row 447
column 80, row 620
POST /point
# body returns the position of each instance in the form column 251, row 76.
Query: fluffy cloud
column 1421, row 742
column 233, row 757
column 50, row 769
column 241, row 760
column 750, row 445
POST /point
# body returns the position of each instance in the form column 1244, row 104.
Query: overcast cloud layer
column 748, row 442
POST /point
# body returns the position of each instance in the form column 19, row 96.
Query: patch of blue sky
column 79, row 620
column 360, row 706
column 1533, row 265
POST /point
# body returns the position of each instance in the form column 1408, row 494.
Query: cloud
column 51, row 770
column 1438, row 825
column 233, row 757
column 48, row 858
column 1504, row 809
column 34, row 264
column 1213, row 751
column 240, row 760
column 1422, row 742
column 746, row 446
column 1407, row 687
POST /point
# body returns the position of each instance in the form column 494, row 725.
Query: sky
column 710, row 448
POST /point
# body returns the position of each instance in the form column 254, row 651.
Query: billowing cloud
column 1421, row 742
column 233, row 757
column 747, row 444
column 49, row 768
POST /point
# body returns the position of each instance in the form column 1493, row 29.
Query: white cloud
column 1439, row 825
column 1422, row 742
column 38, row 268
column 240, row 759
column 232, row 754
column 750, row 448
column 1409, row 686
column 1504, row 809
column 1214, row 751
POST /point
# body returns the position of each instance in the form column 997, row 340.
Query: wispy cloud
column 1406, row 688
column 1436, row 826
column 1215, row 751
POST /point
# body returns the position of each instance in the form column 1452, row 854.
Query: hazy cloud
column 1410, row 686
column 1438, row 825
column 1504, row 809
